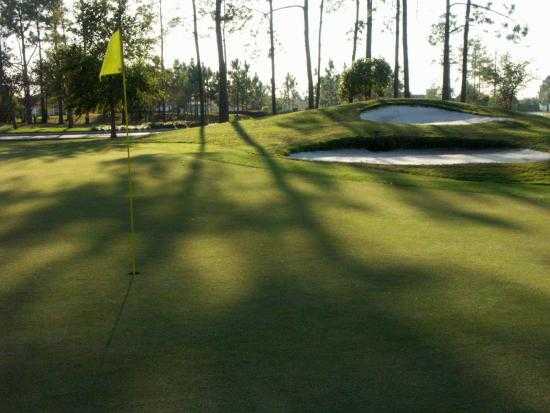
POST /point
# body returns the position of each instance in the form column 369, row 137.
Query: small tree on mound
column 363, row 77
column 544, row 93
column 507, row 79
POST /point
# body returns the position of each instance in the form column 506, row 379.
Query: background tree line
column 50, row 59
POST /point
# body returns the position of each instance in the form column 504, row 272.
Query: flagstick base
column 134, row 273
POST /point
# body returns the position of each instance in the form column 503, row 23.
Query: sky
column 251, row 44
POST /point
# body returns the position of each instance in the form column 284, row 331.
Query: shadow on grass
column 231, row 313
column 436, row 207
column 52, row 151
column 410, row 191
column 158, row 169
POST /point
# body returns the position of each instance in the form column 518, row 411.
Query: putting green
column 267, row 284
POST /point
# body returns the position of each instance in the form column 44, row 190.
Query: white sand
column 423, row 115
column 424, row 157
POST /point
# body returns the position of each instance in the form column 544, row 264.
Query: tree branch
column 289, row 7
column 479, row 6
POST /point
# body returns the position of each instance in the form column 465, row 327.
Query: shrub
column 364, row 77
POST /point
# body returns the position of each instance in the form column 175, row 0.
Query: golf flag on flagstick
column 113, row 63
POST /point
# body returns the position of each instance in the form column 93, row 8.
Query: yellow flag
column 113, row 60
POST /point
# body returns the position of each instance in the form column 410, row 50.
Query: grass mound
column 341, row 127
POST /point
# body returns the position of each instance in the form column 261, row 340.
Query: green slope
column 341, row 127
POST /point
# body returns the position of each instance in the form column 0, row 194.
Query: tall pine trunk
column 369, row 29
column 199, row 66
column 25, row 75
column 12, row 112
column 43, row 106
column 369, row 40
column 113, row 117
column 70, row 113
column 319, row 44
column 163, row 79
column 396, row 64
column 60, row 119
column 272, row 57
column 223, row 100
column 464, row 87
column 355, row 30
column 406, row 51
column 310, row 97
column 58, row 75
column 70, row 117
column 446, row 89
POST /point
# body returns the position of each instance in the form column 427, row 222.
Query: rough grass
column 266, row 283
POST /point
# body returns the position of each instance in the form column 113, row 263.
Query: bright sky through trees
column 425, row 67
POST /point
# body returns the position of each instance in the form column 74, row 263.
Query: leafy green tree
column 144, row 89
column 184, row 88
column 20, row 16
column 257, row 93
column 528, row 105
column 363, row 76
column 478, row 14
column 508, row 78
column 136, row 25
column 238, row 84
column 290, row 96
column 180, row 86
column 477, row 96
column 329, row 86
column 7, row 83
column 478, row 59
column 494, row 13
column 92, row 28
column 544, row 93
column 433, row 92
column 245, row 92
column 82, row 86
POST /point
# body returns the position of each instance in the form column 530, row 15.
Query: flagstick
column 130, row 169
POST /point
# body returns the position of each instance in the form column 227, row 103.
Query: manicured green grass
column 266, row 283
column 341, row 126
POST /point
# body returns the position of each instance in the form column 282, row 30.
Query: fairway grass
column 269, row 284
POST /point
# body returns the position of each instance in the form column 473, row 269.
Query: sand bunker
column 424, row 157
column 423, row 115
